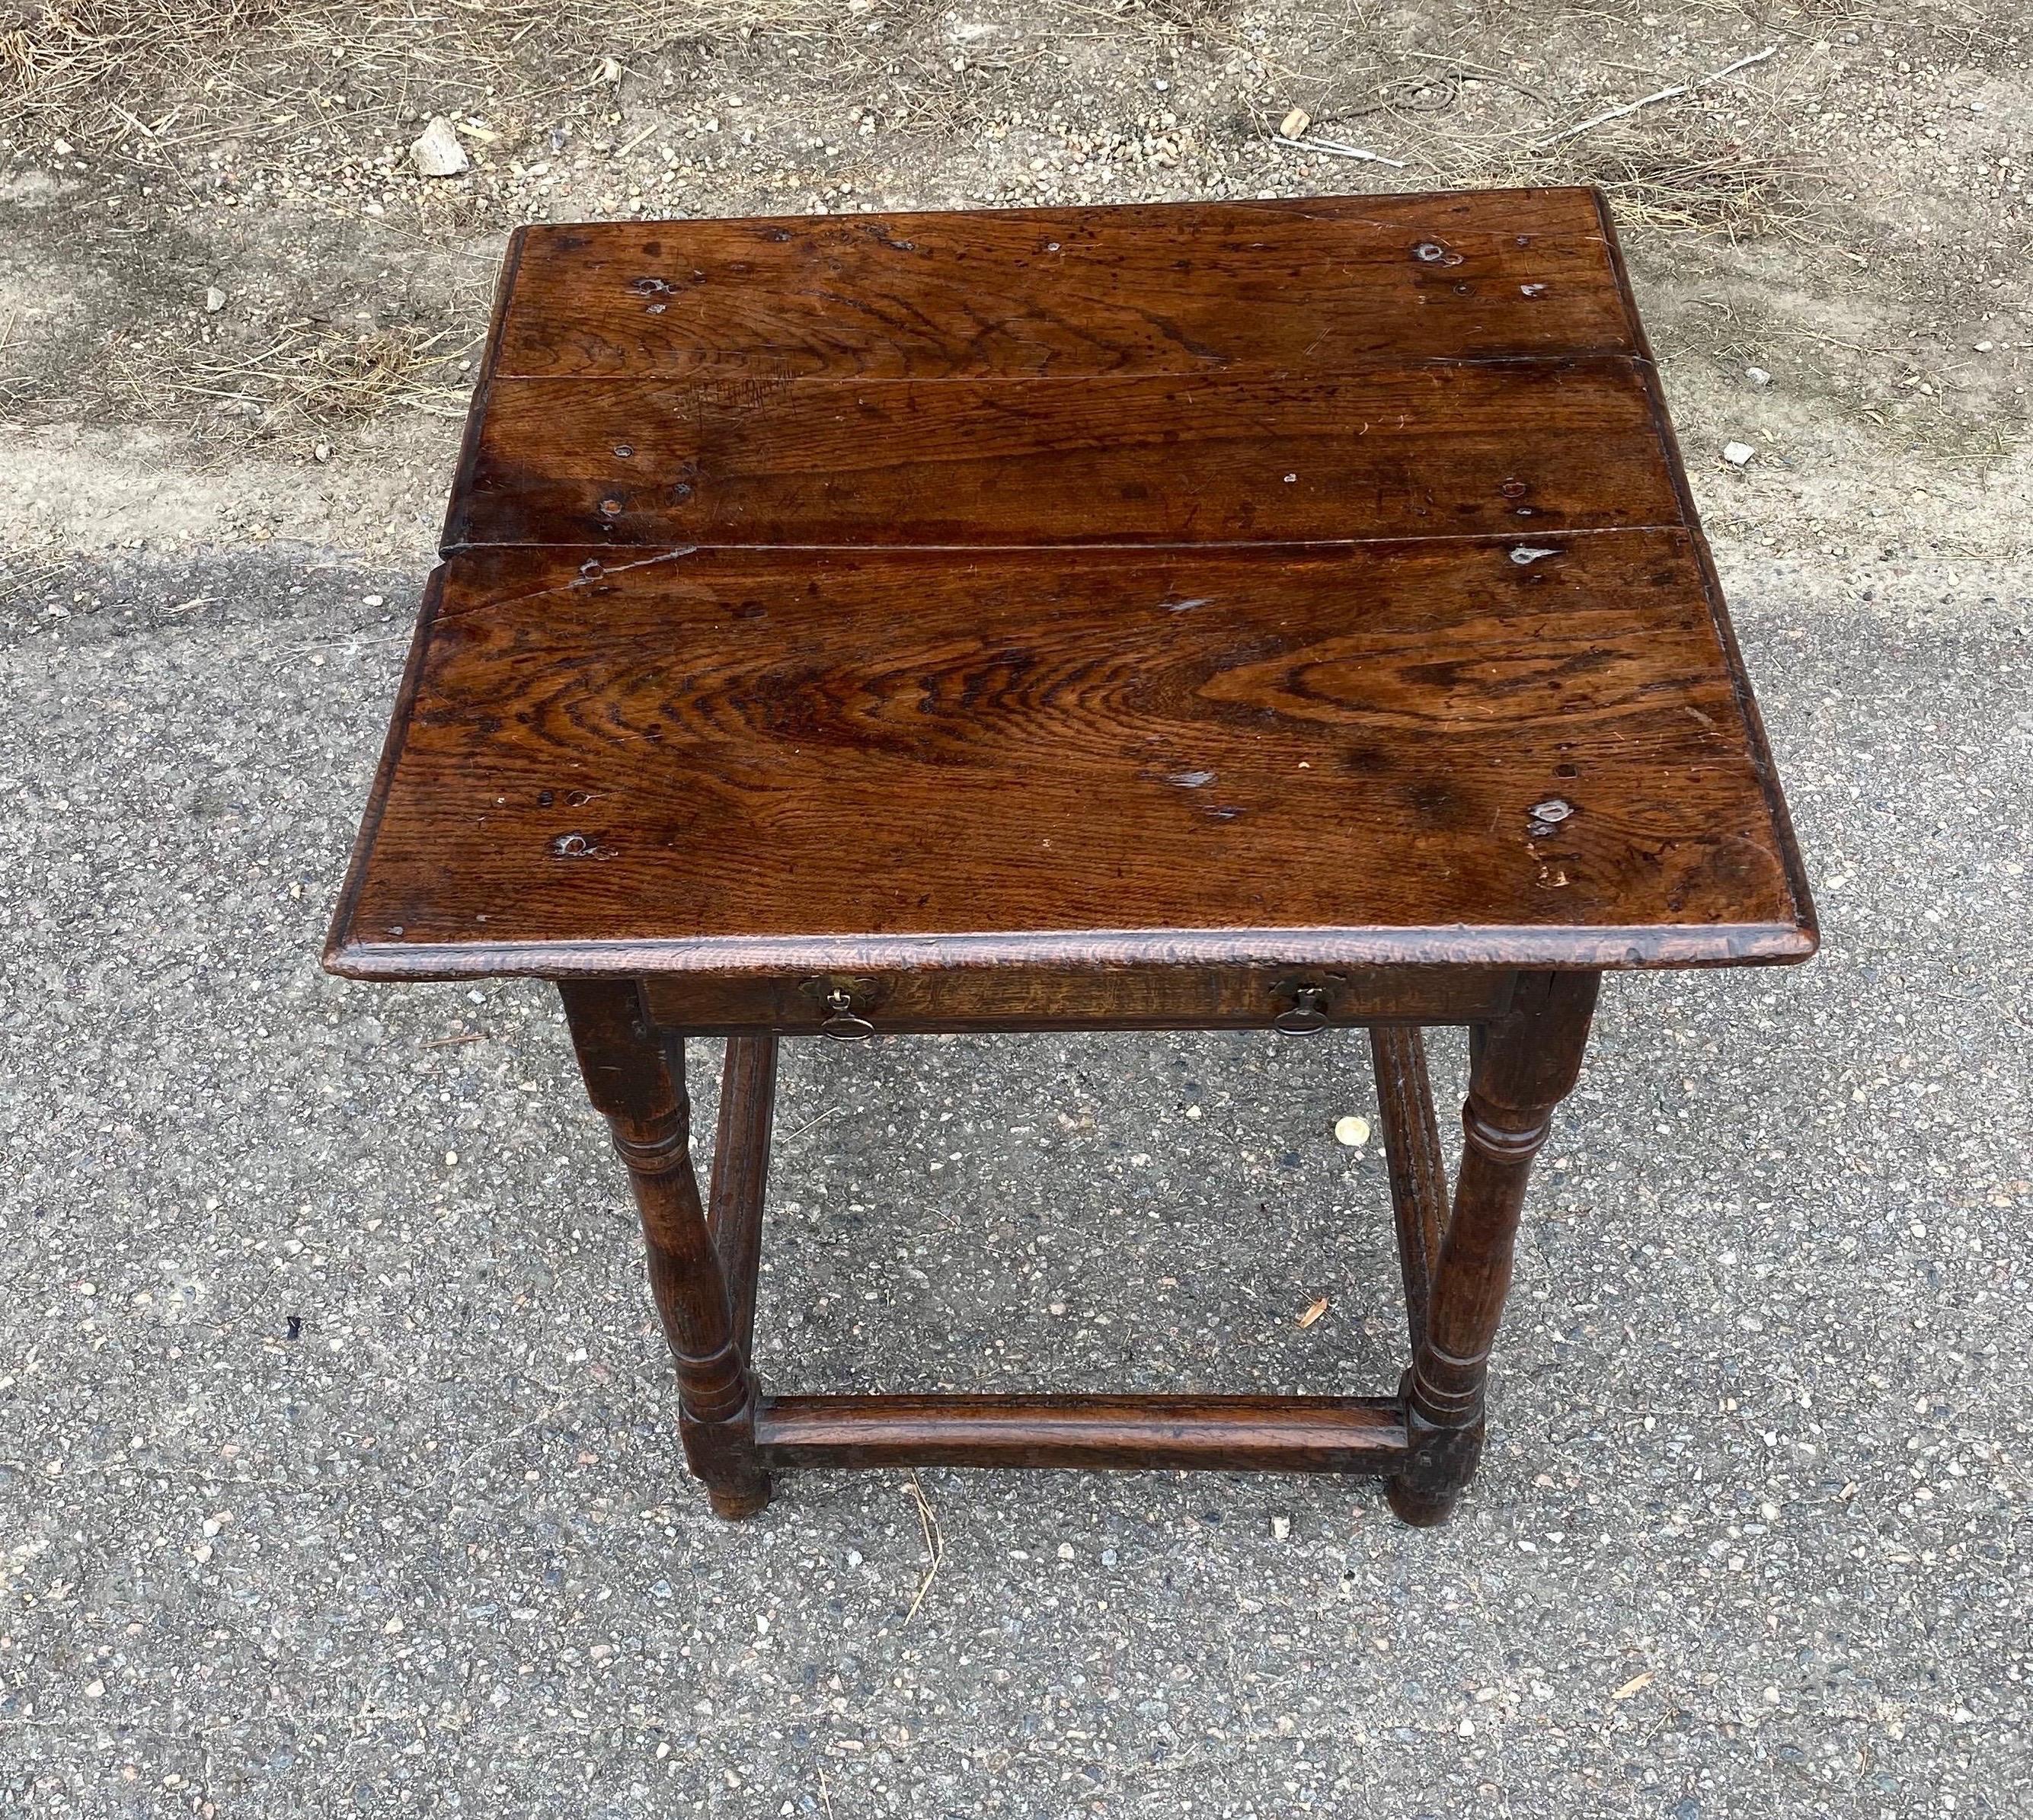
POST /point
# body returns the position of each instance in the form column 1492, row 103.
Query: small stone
column 1984, row 346
column 214, row 300
column 1758, row 375
column 61, row 147
column 436, row 151
column 373, row 601
column 323, row 451
column 1281, row 1528
column 610, row 70
column 1736, row 454
column 1352, row 1131
column 1295, row 125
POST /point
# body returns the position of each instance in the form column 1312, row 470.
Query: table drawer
column 1103, row 998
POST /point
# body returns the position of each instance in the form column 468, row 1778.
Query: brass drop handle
column 843, row 1023
column 1307, row 1014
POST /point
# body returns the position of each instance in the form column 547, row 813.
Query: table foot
column 1425, row 1490
column 734, row 1505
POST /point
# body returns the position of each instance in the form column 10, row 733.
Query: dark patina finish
column 1287, row 615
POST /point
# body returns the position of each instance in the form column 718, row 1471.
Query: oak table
column 1283, row 616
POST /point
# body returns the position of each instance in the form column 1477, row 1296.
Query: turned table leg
column 1523, row 1066
column 635, row 1077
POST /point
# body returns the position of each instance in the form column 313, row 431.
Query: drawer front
column 1293, row 998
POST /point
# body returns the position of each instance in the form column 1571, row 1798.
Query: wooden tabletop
column 1310, row 581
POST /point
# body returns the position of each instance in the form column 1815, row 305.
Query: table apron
column 1022, row 998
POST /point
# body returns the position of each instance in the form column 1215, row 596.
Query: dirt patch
column 215, row 233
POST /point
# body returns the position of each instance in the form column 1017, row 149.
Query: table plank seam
column 641, row 556
column 736, row 372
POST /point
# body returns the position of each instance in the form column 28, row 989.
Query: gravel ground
column 338, row 1471
column 338, row 1468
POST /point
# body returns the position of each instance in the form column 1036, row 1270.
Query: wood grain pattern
column 739, row 1187
column 1417, row 1170
column 1235, row 1434
column 1032, row 996
column 1312, row 286
column 735, row 760
column 1529, row 448
column 1287, row 613
column 1526, row 1064
column 635, row 1075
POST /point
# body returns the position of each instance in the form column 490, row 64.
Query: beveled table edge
column 1647, row 367
column 1252, row 204
column 1558, row 948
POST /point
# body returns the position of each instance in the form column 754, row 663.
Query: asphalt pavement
column 337, row 1468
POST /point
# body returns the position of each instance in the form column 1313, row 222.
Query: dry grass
column 308, row 372
column 24, row 572
column 1194, row 15
column 1477, row 105
column 14, row 385
column 70, row 61
column 112, row 73
column 85, row 66
column 650, row 25
column 348, row 378
column 1694, row 177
